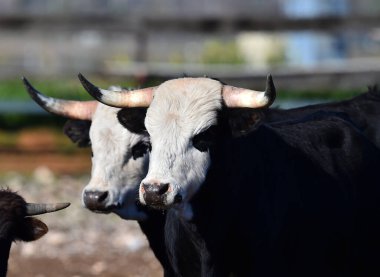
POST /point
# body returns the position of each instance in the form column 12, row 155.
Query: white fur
column 113, row 167
column 180, row 109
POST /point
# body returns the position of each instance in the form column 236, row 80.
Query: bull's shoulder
column 331, row 141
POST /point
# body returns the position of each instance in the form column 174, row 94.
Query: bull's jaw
column 131, row 212
column 129, row 208
column 124, row 205
column 185, row 210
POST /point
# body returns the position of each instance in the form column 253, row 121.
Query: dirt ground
column 79, row 242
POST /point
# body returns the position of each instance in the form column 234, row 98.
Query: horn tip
column 61, row 206
column 269, row 78
column 90, row 88
column 25, row 81
column 35, row 94
column 80, row 76
column 270, row 90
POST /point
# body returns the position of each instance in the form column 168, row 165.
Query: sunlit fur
column 181, row 109
column 113, row 167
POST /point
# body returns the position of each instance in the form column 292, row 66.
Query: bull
column 17, row 223
column 295, row 198
column 119, row 163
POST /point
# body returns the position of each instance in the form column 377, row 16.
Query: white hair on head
column 113, row 167
column 181, row 109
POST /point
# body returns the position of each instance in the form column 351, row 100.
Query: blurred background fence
column 305, row 44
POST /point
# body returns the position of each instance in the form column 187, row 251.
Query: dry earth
column 79, row 242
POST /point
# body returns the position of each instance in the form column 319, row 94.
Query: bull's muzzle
column 97, row 201
column 155, row 193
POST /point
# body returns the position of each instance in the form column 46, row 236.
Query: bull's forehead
column 186, row 105
column 107, row 132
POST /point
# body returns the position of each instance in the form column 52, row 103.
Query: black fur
column 14, row 225
column 300, row 198
column 363, row 110
column 78, row 131
column 153, row 228
column 133, row 119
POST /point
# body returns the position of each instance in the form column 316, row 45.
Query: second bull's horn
column 120, row 99
column 235, row 97
column 36, row 209
column 81, row 110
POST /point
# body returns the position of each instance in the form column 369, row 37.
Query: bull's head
column 119, row 159
column 183, row 121
column 17, row 222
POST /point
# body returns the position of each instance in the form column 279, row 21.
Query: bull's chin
column 131, row 212
column 159, row 206
column 162, row 203
column 104, row 210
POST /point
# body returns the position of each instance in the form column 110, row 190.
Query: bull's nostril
column 145, row 187
column 163, row 188
column 103, row 196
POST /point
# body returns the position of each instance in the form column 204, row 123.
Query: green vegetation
column 13, row 90
column 216, row 52
column 327, row 94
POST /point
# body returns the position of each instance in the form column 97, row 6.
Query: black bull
column 299, row 198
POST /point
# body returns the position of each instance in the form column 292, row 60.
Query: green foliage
column 217, row 52
column 332, row 95
column 14, row 90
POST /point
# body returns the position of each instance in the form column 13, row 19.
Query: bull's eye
column 203, row 141
column 140, row 149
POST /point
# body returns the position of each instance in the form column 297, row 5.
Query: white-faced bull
column 17, row 222
column 119, row 159
column 298, row 198
column 119, row 162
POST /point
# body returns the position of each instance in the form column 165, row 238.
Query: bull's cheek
column 197, row 175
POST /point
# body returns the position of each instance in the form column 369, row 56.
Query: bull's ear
column 33, row 229
column 78, row 131
column 133, row 119
column 242, row 121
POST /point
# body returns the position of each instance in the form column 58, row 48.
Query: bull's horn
column 36, row 209
column 120, row 99
column 82, row 110
column 244, row 98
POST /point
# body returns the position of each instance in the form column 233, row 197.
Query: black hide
column 14, row 225
column 295, row 199
column 78, row 131
column 364, row 111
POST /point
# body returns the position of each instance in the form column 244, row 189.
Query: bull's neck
column 5, row 247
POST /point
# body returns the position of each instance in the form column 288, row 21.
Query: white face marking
column 181, row 109
column 113, row 167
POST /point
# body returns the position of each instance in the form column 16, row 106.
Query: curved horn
column 36, row 209
column 82, row 110
column 120, row 99
column 244, row 98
